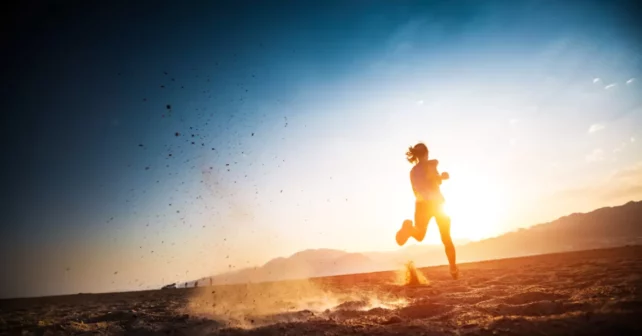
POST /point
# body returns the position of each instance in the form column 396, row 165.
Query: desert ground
column 596, row 292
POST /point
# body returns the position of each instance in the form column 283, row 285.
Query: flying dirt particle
column 146, row 168
column 169, row 106
column 140, row 145
column 177, row 134
column 252, row 134
column 162, row 86
column 115, row 272
column 165, row 72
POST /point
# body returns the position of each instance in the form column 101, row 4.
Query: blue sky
column 300, row 114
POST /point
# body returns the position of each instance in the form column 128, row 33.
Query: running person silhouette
column 425, row 181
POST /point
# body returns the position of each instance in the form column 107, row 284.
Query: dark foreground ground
column 596, row 292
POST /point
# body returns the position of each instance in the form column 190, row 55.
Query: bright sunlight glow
column 475, row 207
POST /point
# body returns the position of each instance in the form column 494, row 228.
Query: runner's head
column 418, row 152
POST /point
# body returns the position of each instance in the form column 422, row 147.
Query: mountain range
column 604, row 227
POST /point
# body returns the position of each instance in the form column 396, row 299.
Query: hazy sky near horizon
column 148, row 144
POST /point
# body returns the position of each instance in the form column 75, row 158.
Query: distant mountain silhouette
column 605, row 227
column 304, row 264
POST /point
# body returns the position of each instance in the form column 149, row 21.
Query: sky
column 154, row 143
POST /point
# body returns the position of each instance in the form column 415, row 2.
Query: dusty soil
column 596, row 292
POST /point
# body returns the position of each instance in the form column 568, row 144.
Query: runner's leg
column 422, row 218
column 443, row 222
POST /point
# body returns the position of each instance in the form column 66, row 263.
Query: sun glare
column 474, row 207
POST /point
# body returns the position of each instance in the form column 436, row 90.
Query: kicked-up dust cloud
column 411, row 276
column 256, row 304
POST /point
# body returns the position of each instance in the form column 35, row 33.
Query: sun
column 475, row 207
column 476, row 203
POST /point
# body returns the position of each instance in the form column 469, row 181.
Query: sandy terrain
column 595, row 292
